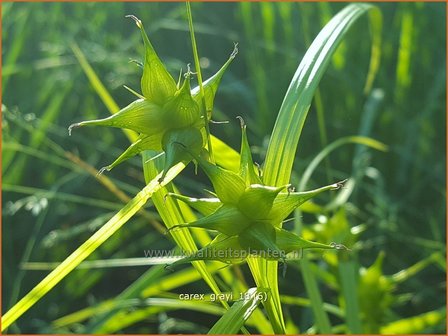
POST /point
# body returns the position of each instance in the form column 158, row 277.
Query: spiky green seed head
column 249, row 211
column 161, row 109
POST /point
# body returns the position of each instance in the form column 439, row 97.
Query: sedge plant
column 248, row 206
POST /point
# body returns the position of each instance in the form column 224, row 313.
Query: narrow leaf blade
column 232, row 321
column 86, row 249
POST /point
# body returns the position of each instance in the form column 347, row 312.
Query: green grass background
column 50, row 205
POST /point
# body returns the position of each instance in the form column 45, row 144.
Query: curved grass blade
column 102, row 263
column 233, row 320
column 362, row 140
column 87, row 248
column 154, row 281
column 49, row 194
column 292, row 115
column 350, row 184
column 140, row 310
column 293, row 112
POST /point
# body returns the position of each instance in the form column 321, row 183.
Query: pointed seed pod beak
column 157, row 84
column 141, row 116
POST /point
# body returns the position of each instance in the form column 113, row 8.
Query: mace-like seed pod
column 161, row 110
column 246, row 213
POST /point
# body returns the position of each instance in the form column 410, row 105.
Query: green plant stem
column 317, row 305
column 201, row 87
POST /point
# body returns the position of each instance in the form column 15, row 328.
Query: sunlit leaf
column 232, row 321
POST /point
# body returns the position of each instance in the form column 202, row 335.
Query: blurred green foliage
column 395, row 217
